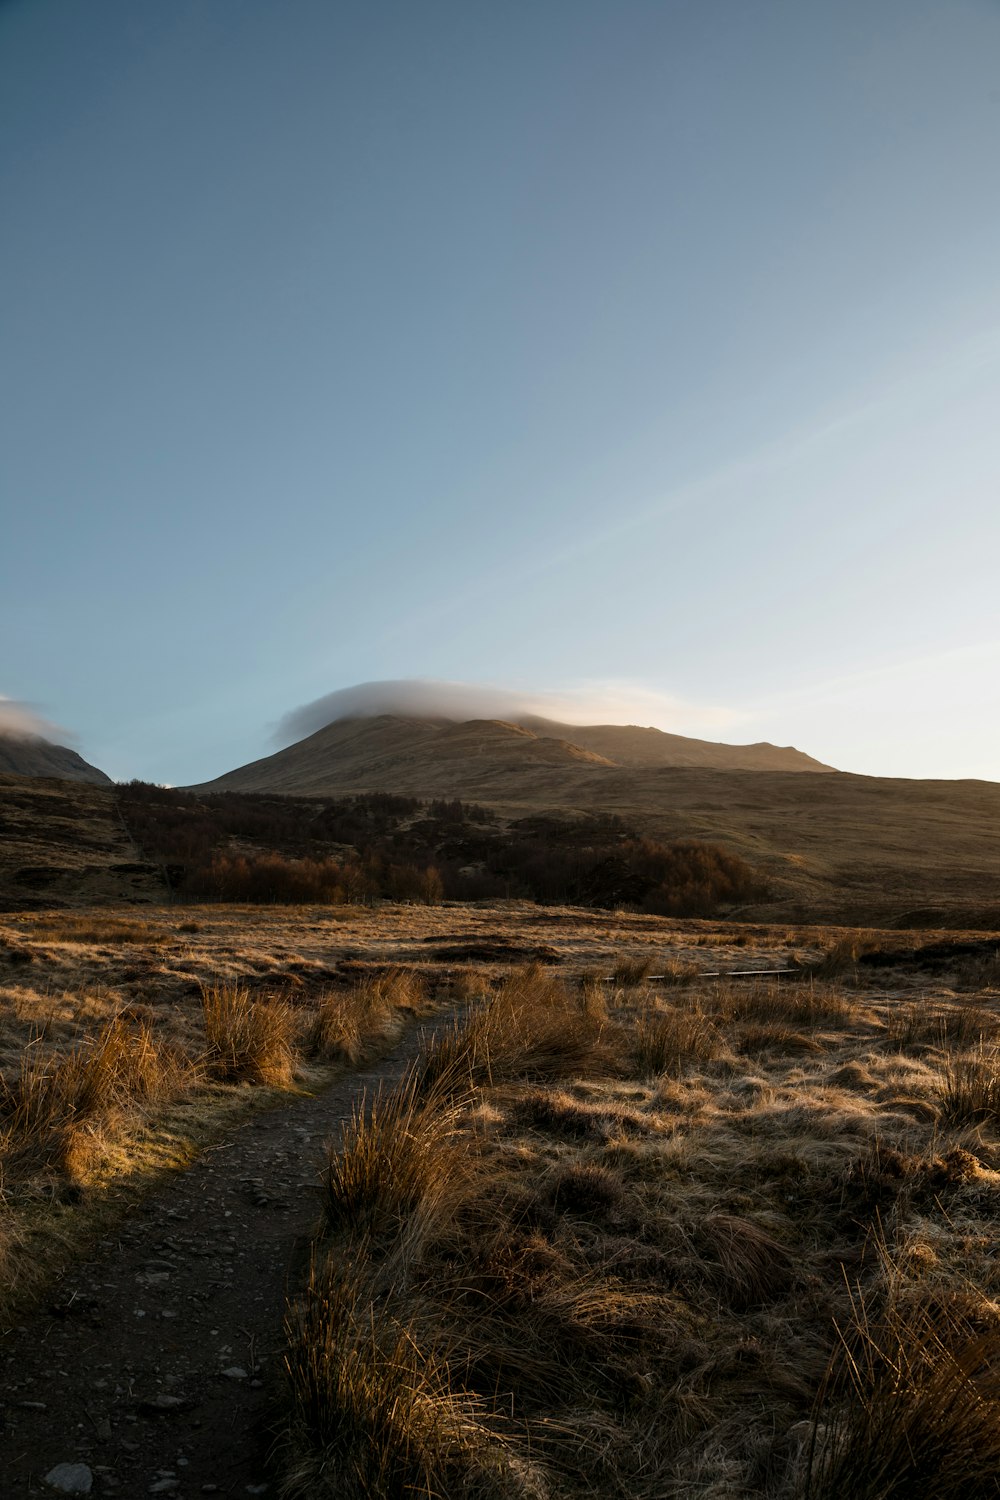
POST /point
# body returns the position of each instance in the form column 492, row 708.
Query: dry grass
column 128, row 1041
column 607, row 1249
column 910, row 1407
column 604, row 1241
column 532, row 1027
column 247, row 1040
column 665, row 1040
column 348, row 1024
column 397, row 1168
column 971, row 1094
column 54, row 1107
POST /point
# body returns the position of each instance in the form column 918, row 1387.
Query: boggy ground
column 676, row 1187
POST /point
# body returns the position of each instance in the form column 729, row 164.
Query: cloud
column 589, row 703
column 19, row 721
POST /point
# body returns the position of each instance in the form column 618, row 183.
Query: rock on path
column 155, row 1364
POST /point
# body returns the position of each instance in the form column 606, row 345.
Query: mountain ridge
column 484, row 757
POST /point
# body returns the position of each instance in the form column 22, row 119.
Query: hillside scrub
column 255, row 848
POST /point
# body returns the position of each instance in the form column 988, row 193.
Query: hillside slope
column 62, row 843
column 32, row 756
column 485, row 759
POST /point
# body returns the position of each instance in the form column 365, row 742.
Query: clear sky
column 647, row 353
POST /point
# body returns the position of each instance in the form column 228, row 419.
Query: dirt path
column 156, row 1363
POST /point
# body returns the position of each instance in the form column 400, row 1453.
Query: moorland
column 384, row 1144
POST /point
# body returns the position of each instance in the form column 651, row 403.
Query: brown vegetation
column 230, row 846
column 645, row 1242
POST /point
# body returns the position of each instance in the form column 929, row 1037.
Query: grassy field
column 633, row 1225
column 706, row 1238
column 128, row 1041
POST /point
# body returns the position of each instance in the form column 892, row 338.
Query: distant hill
column 33, row 756
column 486, row 759
column 835, row 846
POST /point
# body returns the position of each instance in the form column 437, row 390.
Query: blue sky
column 647, row 354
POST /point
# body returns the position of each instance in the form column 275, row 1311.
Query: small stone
column 70, row 1479
column 235, row 1372
column 164, row 1486
column 162, row 1405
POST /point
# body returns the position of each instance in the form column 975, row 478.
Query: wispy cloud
column 21, row 721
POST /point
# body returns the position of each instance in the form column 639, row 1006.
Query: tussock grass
column 532, row 1027
column 910, row 1408
column 397, row 1169
column 374, row 1413
column 247, row 1040
column 918, row 1025
column 95, row 928
column 665, row 1040
column 52, row 1108
column 971, row 1093
column 841, row 956
column 795, row 1005
column 630, row 972
column 346, row 1024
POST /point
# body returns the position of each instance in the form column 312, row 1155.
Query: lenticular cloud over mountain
column 19, row 721
column 428, row 698
column 421, row 698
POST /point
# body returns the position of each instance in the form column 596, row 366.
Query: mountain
column 835, row 846
column 485, row 759
column 33, row 756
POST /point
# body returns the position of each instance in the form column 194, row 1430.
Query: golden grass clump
column 910, row 1408
column 347, row 1023
column 792, row 1004
column 532, row 1027
column 397, row 1167
column 665, row 1040
column 374, row 1415
column 56, row 1098
column 971, row 1093
column 247, row 1040
column 918, row 1025
column 630, row 972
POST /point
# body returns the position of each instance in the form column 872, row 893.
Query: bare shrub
column 247, row 1040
